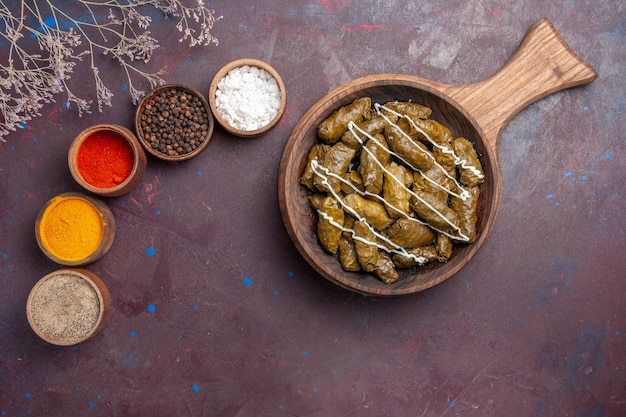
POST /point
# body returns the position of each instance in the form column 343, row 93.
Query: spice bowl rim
column 237, row 64
column 144, row 142
column 104, row 301
column 136, row 173
column 108, row 230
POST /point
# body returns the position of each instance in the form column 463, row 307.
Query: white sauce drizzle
column 324, row 174
column 457, row 161
column 463, row 196
column 396, row 248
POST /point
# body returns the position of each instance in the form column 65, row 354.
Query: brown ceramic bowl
column 68, row 306
column 478, row 112
column 121, row 185
column 149, row 116
column 301, row 220
column 223, row 72
column 51, row 235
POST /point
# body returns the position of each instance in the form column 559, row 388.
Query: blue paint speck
column 195, row 388
column 77, row 388
column 124, row 87
column 452, row 404
column 586, row 108
column 92, row 404
column 158, row 212
column 276, row 292
column 28, row 395
column 583, row 178
column 150, row 251
column 240, row 25
column 34, row 140
column 50, row 21
column 550, row 197
column 22, row 125
column 4, row 413
column 315, row 389
column 306, row 352
column 151, row 308
column 568, row 174
column 247, row 281
column 133, row 333
column 608, row 157
column 290, row 274
column 199, row 173
column 195, row 307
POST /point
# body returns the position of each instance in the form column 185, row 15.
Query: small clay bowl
column 68, row 306
column 223, row 72
column 75, row 217
column 117, row 183
column 148, row 118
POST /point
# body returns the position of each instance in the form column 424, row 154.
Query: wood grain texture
column 542, row 65
column 478, row 112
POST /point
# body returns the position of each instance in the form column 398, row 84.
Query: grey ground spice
column 65, row 307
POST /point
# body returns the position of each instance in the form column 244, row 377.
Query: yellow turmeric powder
column 71, row 228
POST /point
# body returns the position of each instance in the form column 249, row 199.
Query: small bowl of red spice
column 107, row 159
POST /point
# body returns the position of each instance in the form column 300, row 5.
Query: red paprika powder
column 105, row 159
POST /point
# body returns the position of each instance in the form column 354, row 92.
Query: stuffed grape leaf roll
column 409, row 108
column 415, row 257
column 435, row 212
column 371, row 162
column 385, row 269
column 470, row 168
column 410, row 233
column 333, row 127
column 466, row 212
column 336, row 160
column 397, row 179
column 412, row 151
column 347, row 255
column 373, row 212
column 328, row 234
column 365, row 246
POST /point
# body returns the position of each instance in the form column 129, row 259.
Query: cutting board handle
column 542, row 65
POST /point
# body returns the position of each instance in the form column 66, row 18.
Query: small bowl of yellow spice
column 74, row 229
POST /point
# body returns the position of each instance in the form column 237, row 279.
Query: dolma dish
column 392, row 188
column 477, row 112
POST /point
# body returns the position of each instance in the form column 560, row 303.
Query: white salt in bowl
column 247, row 97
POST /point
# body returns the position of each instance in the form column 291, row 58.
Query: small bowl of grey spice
column 247, row 97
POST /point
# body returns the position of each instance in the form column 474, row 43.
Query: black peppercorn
column 174, row 122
